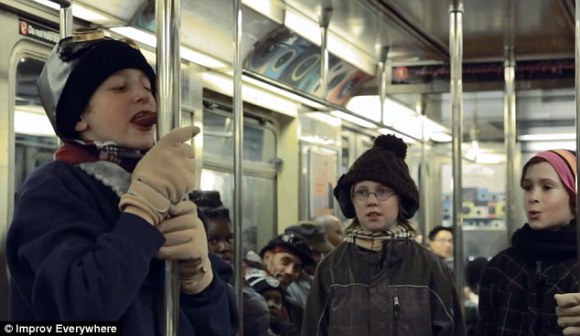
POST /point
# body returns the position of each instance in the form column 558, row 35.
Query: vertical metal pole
column 169, row 116
column 577, row 82
column 66, row 19
column 510, row 133
column 238, row 155
column 423, row 178
column 324, row 20
column 66, row 25
column 456, row 47
column 382, row 75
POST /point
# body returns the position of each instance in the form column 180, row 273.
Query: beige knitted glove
column 186, row 241
column 162, row 177
column 568, row 311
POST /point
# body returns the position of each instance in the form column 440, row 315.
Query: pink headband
column 564, row 163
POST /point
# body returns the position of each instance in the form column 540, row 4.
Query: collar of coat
column 539, row 245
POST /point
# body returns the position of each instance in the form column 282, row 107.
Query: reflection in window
column 35, row 141
column 259, row 208
column 218, row 135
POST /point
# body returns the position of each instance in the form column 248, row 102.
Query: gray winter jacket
column 402, row 290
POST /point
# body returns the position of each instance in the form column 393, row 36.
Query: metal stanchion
column 238, row 155
column 169, row 116
column 456, row 47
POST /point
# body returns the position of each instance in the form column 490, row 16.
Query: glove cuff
column 144, row 197
column 200, row 281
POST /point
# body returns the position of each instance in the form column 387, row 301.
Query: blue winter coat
column 73, row 256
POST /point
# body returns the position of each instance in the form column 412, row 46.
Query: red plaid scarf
column 74, row 152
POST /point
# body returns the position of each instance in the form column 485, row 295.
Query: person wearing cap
column 381, row 281
column 285, row 256
column 272, row 291
column 313, row 234
column 91, row 229
column 521, row 287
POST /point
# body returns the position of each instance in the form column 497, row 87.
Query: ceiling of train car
column 541, row 33
column 491, row 24
column 416, row 33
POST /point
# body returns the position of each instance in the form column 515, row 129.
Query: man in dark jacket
column 284, row 257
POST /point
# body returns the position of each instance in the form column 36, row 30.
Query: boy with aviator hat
column 91, row 228
column 381, row 282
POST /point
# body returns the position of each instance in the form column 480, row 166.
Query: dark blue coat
column 73, row 256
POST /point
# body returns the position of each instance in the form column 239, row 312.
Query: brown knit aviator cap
column 383, row 163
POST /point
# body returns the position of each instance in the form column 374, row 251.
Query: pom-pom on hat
column 383, row 163
column 74, row 70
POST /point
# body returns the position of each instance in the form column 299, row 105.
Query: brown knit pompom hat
column 383, row 163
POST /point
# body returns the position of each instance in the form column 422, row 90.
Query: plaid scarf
column 374, row 240
column 78, row 151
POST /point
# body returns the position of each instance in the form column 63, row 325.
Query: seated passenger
column 518, row 285
column 216, row 218
column 284, row 257
column 381, row 281
column 314, row 237
column 272, row 291
column 218, row 223
column 91, row 228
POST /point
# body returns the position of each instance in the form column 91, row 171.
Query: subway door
column 26, row 136
column 260, row 167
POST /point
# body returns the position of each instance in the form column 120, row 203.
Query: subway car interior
column 320, row 79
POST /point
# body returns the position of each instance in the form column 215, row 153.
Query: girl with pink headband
column 519, row 284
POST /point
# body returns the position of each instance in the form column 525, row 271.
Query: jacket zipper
column 396, row 312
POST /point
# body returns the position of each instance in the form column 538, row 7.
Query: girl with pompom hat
column 379, row 281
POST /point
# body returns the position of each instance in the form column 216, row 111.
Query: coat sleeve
column 446, row 307
column 458, row 318
column 315, row 321
column 71, row 254
column 213, row 311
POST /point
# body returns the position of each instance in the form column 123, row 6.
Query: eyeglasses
column 382, row 194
